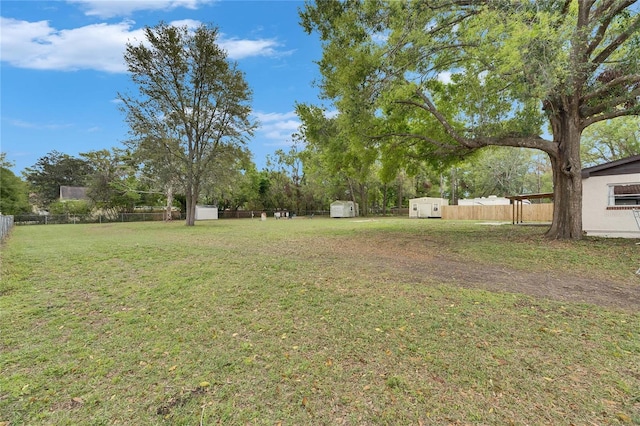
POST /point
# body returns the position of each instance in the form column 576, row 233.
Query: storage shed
column 426, row 207
column 610, row 193
column 206, row 212
column 344, row 209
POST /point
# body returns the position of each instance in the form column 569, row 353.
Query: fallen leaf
column 205, row 384
column 623, row 418
column 173, row 367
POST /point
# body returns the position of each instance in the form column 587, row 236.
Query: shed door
column 424, row 210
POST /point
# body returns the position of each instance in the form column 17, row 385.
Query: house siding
column 600, row 219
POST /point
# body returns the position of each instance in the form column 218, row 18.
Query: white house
column 610, row 193
column 425, row 207
column 343, row 209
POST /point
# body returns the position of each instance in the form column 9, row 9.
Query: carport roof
column 530, row 196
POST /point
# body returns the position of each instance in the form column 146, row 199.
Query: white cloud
column 110, row 9
column 331, row 114
column 38, row 126
column 445, row 77
column 278, row 126
column 240, row 49
column 37, row 45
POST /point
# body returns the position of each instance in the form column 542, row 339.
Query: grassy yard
column 309, row 322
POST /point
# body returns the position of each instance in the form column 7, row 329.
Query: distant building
column 341, row 208
column 426, row 207
column 68, row 193
column 491, row 200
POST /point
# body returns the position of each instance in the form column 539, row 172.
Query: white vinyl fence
column 6, row 223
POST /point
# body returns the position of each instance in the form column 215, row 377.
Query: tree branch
column 607, row 51
column 531, row 142
column 427, row 105
column 609, row 115
column 625, row 79
column 586, row 112
column 605, row 21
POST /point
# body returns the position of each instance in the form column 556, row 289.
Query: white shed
column 610, row 193
column 206, row 212
column 426, row 207
column 344, row 209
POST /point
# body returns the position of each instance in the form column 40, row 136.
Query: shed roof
column 73, row 193
column 619, row 167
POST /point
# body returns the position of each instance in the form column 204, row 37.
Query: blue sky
column 62, row 68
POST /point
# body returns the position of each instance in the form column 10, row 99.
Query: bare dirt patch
column 424, row 264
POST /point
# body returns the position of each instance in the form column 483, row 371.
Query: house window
column 624, row 195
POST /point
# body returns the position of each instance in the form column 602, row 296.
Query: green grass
column 306, row 322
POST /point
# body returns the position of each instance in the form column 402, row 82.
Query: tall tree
column 449, row 77
column 54, row 170
column 344, row 152
column 193, row 103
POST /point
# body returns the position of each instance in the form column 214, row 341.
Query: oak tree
column 443, row 78
column 192, row 106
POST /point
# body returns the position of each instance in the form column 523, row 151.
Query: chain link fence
column 58, row 219
column 51, row 219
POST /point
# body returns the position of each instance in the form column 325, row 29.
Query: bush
column 70, row 207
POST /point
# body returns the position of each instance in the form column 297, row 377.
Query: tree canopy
column 611, row 140
column 13, row 191
column 192, row 107
column 54, row 170
column 440, row 79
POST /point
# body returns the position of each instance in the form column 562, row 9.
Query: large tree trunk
column 192, row 199
column 567, row 178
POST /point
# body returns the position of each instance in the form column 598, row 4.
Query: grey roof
column 73, row 193
column 619, row 167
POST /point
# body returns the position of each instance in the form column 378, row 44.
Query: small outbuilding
column 426, row 207
column 344, row 209
column 610, row 193
column 206, row 212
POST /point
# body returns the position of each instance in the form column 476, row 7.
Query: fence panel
column 6, row 223
column 530, row 212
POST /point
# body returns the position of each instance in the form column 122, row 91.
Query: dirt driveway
column 430, row 266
